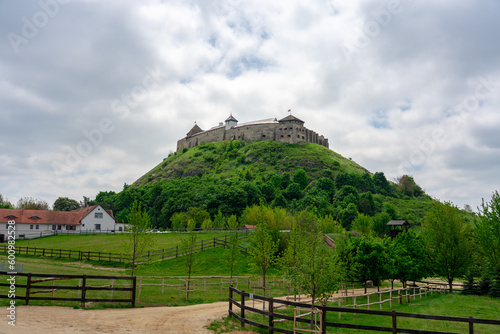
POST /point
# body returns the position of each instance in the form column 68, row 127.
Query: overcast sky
column 93, row 94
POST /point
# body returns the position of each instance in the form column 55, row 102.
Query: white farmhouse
column 36, row 223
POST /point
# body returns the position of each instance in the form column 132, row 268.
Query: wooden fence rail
column 275, row 317
column 82, row 288
column 155, row 255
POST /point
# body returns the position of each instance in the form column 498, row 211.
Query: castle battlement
column 289, row 129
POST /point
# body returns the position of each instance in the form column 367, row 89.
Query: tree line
column 449, row 245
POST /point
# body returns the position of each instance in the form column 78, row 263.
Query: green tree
column 366, row 204
column 231, row 252
column 300, row 177
column 389, row 209
column 448, row 240
column 188, row 246
column 363, row 224
column 380, row 221
column 348, row 215
column 279, row 201
column 138, row 236
column 327, row 185
column 4, row 203
column 487, row 232
column 293, row 191
column 65, row 204
column 316, row 272
column 381, row 185
column 410, row 257
column 345, row 253
column 262, row 251
column 291, row 255
column 408, row 187
column 371, row 258
column 29, row 203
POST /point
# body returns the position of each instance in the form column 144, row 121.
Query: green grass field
column 438, row 304
column 109, row 243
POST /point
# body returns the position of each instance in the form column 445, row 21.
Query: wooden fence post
column 230, row 300
column 28, row 288
column 134, row 286
column 471, row 326
column 271, row 318
column 394, row 322
column 323, row 320
column 242, row 313
column 84, row 282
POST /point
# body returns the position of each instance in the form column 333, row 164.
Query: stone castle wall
column 281, row 131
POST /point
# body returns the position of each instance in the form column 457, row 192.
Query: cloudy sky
column 93, row 94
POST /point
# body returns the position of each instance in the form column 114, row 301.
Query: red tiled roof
column 47, row 217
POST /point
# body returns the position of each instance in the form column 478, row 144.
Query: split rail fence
column 316, row 320
column 155, row 255
column 154, row 288
column 75, row 288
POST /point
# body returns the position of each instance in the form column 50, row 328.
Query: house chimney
column 22, row 208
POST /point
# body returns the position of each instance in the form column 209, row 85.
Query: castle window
column 281, row 129
column 302, row 137
column 263, row 136
column 298, row 136
column 288, row 136
column 281, row 136
column 285, row 129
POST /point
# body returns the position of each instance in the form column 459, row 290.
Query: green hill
column 229, row 159
column 212, row 181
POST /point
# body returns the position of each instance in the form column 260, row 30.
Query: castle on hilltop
column 287, row 130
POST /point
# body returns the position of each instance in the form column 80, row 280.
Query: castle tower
column 231, row 122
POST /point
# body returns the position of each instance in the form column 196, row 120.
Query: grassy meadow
column 108, row 242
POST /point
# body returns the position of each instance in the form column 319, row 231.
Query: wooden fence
column 320, row 316
column 156, row 255
column 84, row 289
column 171, row 285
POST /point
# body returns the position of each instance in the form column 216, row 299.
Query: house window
column 59, row 227
column 97, row 226
column 98, row 215
column 36, row 228
column 119, row 228
column 31, row 227
column 54, row 227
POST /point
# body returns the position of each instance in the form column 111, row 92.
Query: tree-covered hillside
column 212, row 182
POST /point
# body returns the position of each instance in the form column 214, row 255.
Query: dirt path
column 152, row 320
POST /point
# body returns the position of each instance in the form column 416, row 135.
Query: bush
column 470, row 286
column 484, row 285
column 494, row 290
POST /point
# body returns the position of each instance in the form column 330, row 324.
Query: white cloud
column 383, row 105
